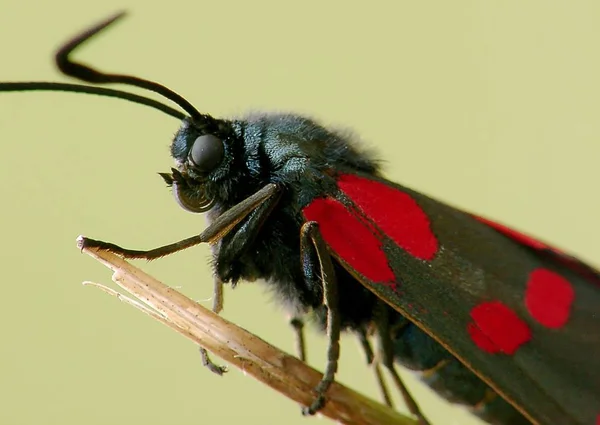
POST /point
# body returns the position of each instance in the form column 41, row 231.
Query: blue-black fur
column 303, row 157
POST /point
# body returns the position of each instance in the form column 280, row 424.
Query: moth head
column 201, row 150
column 200, row 147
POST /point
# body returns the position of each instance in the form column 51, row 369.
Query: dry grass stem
column 255, row 357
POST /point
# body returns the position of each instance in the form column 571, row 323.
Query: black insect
column 485, row 313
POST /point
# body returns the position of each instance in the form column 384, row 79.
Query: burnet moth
column 495, row 320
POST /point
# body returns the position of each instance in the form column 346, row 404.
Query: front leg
column 216, row 307
column 311, row 241
column 256, row 208
column 235, row 244
column 213, row 233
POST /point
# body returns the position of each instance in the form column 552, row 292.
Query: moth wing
column 525, row 321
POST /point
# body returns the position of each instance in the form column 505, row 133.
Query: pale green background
column 492, row 106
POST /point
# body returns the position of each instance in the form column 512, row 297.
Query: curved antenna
column 100, row 91
column 86, row 73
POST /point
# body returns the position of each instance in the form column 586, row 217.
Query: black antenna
column 86, row 73
column 90, row 75
column 100, row 91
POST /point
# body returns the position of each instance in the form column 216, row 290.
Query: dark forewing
column 525, row 318
column 554, row 254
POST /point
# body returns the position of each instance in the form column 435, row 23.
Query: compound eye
column 206, row 153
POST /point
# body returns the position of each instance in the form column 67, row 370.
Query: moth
column 494, row 319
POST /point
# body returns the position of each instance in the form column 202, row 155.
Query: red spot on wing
column 497, row 329
column 517, row 236
column 350, row 238
column 549, row 297
column 395, row 212
column 481, row 339
column 554, row 253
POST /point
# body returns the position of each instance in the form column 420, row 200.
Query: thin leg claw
column 207, row 362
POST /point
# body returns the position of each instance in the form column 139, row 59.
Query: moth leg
column 298, row 324
column 217, row 307
column 217, row 295
column 214, row 232
column 310, row 238
column 233, row 245
column 387, row 359
column 208, row 363
column 236, row 243
column 366, row 346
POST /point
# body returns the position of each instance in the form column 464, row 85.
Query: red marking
column 350, row 238
column 598, row 420
column 394, row 212
column 556, row 254
column 517, row 236
column 549, row 297
column 497, row 329
column 480, row 339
